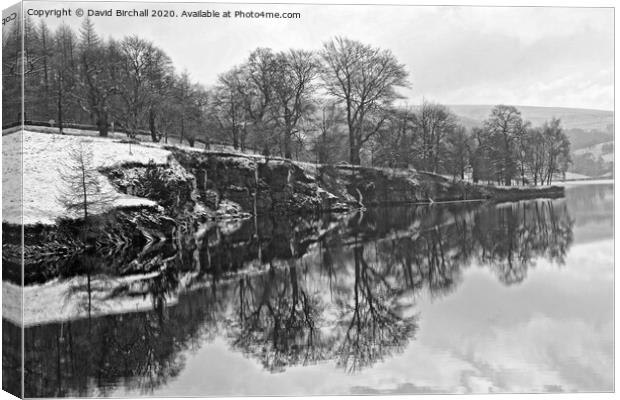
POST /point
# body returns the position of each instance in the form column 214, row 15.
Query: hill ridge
column 520, row 106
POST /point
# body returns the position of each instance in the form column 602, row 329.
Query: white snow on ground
column 571, row 176
column 586, row 182
column 145, row 139
column 42, row 157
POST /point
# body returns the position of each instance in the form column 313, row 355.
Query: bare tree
column 82, row 191
column 146, row 72
column 226, row 108
column 46, row 52
column 11, row 75
column 523, row 149
column 459, row 150
column 365, row 79
column 258, row 97
column 536, row 157
column 191, row 102
column 392, row 145
column 98, row 76
column 64, row 70
column 504, row 126
column 329, row 141
column 433, row 123
column 558, row 149
column 296, row 71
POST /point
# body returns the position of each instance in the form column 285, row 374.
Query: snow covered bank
column 587, row 182
column 572, row 176
column 42, row 157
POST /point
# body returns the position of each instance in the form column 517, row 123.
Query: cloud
column 544, row 56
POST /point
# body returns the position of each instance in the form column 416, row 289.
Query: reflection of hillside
column 590, row 202
column 591, row 206
column 297, row 292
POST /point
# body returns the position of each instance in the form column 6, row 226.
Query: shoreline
column 187, row 187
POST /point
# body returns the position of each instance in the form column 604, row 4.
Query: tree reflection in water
column 513, row 237
column 276, row 319
column 373, row 325
column 295, row 292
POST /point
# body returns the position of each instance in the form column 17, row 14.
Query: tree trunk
column 354, row 153
column 287, row 145
column 235, row 137
column 84, row 194
column 294, row 286
column 102, row 126
column 182, row 130
column 59, row 104
column 355, row 157
column 507, row 167
column 152, row 127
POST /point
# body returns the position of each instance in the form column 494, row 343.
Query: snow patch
column 42, row 156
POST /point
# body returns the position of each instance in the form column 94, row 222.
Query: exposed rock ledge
column 261, row 185
column 195, row 187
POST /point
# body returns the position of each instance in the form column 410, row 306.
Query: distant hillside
column 603, row 150
column 584, row 127
column 595, row 161
column 571, row 117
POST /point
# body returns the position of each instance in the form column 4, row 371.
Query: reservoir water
column 472, row 298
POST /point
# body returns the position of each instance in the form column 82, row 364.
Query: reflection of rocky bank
column 293, row 292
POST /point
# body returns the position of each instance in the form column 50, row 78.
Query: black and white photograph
column 297, row 199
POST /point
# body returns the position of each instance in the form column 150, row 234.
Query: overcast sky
column 560, row 57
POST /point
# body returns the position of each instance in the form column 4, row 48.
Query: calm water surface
column 516, row 297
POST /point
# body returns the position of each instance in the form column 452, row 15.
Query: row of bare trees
column 80, row 78
column 280, row 100
column 505, row 149
column 509, row 148
column 272, row 102
column 266, row 100
column 326, row 106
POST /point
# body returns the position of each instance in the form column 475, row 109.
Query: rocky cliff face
column 229, row 185
column 374, row 186
column 264, row 186
column 257, row 185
